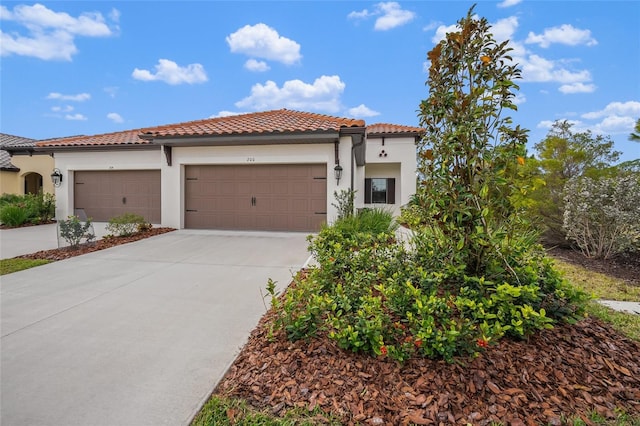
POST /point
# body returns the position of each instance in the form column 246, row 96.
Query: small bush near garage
column 74, row 231
column 371, row 221
column 18, row 210
column 127, row 224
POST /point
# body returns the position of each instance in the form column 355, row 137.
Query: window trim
column 390, row 190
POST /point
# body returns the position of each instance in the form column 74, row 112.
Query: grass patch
column 221, row 411
column 599, row 285
column 622, row 419
column 8, row 266
column 605, row 287
column 625, row 323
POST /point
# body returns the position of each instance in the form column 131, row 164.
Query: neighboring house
column 28, row 173
column 273, row 170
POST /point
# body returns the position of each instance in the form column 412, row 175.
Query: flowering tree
column 602, row 216
column 471, row 151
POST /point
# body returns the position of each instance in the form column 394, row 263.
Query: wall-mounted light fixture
column 337, row 171
column 56, row 177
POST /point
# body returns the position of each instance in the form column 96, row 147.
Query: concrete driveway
column 138, row 334
column 30, row 239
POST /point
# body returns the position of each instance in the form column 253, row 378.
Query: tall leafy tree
column 471, row 149
column 562, row 155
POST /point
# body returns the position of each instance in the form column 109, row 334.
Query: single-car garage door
column 106, row 194
column 289, row 197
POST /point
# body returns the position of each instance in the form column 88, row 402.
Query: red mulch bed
column 104, row 243
column 559, row 374
column 570, row 370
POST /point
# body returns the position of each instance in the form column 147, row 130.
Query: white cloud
column 363, row 14
column 80, row 97
column 75, row 117
column 256, row 66
column 390, row 15
column 49, row 35
column 519, row 99
column 431, row 26
column 442, row 31
column 171, row 73
column 629, row 108
column 66, row 108
column 504, row 29
column 226, row 114
column 615, row 125
column 362, row 111
column 114, row 15
column 535, row 68
column 508, row 3
column 115, row 117
column 538, row 69
column 262, row 41
column 322, row 95
column 617, row 118
column 564, row 34
column 112, row 91
column 577, row 88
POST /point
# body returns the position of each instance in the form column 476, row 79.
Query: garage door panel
column 284, row 197
column 107, row 194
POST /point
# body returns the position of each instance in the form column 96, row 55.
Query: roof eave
column 415, row 135
column 314, row 137
column 69, row 148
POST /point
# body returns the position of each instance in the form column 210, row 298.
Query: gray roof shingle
column 12, row 141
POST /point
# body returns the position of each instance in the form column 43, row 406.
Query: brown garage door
column 106, row 194
column 290, row 197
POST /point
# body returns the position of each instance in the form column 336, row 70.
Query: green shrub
column 371, row 294
column 74, row 231
column 42, row 206
column 14, row 214
column 37, row 208
column 9, row 199
column 344, row 202
column 127, row 224
column 372, row 221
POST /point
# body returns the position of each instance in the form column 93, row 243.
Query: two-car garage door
column 291, row 197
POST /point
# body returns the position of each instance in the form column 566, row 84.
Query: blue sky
column 83, row 67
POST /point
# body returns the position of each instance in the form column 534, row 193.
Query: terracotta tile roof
column 385, row 128
column 275, row 121
column 128, row 137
